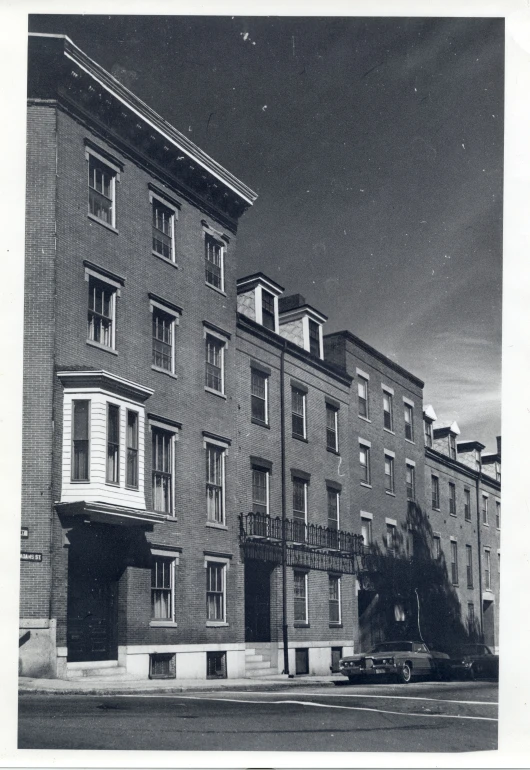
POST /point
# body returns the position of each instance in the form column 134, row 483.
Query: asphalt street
column 427, row 716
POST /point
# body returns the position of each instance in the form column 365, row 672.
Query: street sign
column 24, row 532
column 27, row 556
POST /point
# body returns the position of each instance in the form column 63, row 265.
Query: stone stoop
column 258, row 661
column 100, row 669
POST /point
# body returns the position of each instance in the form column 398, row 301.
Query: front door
column 257, row 601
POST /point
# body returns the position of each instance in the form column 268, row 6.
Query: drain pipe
column 284, row 515
column 478, row 480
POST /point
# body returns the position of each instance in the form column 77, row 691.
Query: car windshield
column 472, row 649
column 393, row 647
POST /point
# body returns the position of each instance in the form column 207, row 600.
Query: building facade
column 212, row 486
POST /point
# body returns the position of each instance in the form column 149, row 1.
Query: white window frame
column 484, row 514
column 410, row 465
column 153, row 199
column 174, row 558
column 335, row 410
column 297, row 518
column 115, row 287
column 428, row 436
column 173, row 431
column 115, row 177
column 76, row 398
column 175, row 322
column 306, row 604
column 367, row 518
column 267, row 473
column 220, row 239
column 117, row 483
column 209, row 332
column 265, row 376
column 366, row 446
column 389, row 393
column 338, row 622
column 454, row 542
column 335, row 492
column 388, row 455
column 437, row 545
column 408, row 409
column 391, row 526
column 437, row 506
column 487, row 569
column 223, row 447
column 452, row 497
column 497, row 514
column 366, row 380
column 304, row 411
column 224, row 563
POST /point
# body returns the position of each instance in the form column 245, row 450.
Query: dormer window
column 428, row 433
column 452, row 446
column 301, row 324
column 257, row 299
column 314, row 338
column 268, row 316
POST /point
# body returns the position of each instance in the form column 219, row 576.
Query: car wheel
column 405, row 673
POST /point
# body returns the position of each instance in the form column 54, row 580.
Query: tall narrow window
column 80, row 440
column 410, row 481
column 113, row 444
column 214, row 252
column 267, row 310
column 497, row 514
column 300, row 597
column 162, row 458
column 163, row 230
column 298, row 402
column 260, row 491
column 454, row 562
column 389, row 473
column 162, row 588
column 215, row 483
column 487, row 569
column 163, row 334
column 362, row 391
column 467, row 505
column 409, row 422
column 259, row 393
column 469, row 566
column 314, row 338
column 101, row 312
column 101, row 190
column 332, row 428
column 214, row 363
column 334, row 599
column 484, row 509
column 299, row 510
column 333, row 517
column 470, row 617
column 435, row 488
column 391, row 543
column 452, row 446
column 215, row 592
column 437, row 546
column 364, row 460
column 132, row 449
column 428, row 432
column 388, row 420
column 366, row 530
column 452, row 499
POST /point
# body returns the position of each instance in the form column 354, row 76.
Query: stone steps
column 96, row 670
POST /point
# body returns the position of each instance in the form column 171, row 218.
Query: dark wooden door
column 257, row 601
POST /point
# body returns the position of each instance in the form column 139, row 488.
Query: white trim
column 408, row 401
column 391, row 522
column 366, row 515
column 103, row 278
column 156, row 196
column 161, row 306
column 224, row 454
column 437, row 534
column 221, row 559
column 103, row 159
column 216, row 442
column 365, row 442
column 362, row 374
column 225, row 566
column 219, row 238
column 387, row 389
column 153, row 423
column 410, row 462
column 174, row 556
column 453, row 539
column 389, row 452
column 169, row 554
column 484, row 494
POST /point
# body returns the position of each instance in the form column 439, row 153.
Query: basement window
column 162, row 665
column 216, row 665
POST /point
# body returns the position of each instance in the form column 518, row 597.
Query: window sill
column 115, row 484
column 366, row 419
column 162, row 624
column 219, row 291
column 453, row 515
column 102, row 347
column 392, row 432
column 485, row 524
column 165, row 259
column 300, row 438
column 336, row 625
column 217, row 624
column 410, row 441
column 387, row 492
column 214, row 392
column 435, row 509
column 470, row 587
column 170, row 517
column 301, row 625
column 215, row 525
column 333, row 451
column 164, row 371
column 255, row 421
column 79, row 481
column 365, row 484
column 104, row 224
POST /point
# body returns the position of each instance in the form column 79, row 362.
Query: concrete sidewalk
column 167, row 686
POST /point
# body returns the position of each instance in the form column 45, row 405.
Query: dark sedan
column 402, row 660
column 474, row 660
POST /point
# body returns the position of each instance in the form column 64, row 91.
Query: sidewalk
column 167, row 686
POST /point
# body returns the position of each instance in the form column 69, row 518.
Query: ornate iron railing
column 259, row 526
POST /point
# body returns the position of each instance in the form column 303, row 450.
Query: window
column 259, row 396
column 435, row 488
column 409, row 422
column 487, row 569
column 497, row 514
column 113, row 444
column 216, row 665
column 163, row 340
column 332, row 428
column 364, row 459
column 80, row 440
column 454, row 562
column 298, row 401
column 391, row 538
column 162, row 461
column 162, row 665
column 452, row 446
column 300, row 597
column 101, row 312
column 437, row 546
column 132, row 449
column 498, row 471
column 334, row 600
column 267, row 310
column 163, row 230
column 299, row 509
column 163, row 588
column 469, row 566
column 452, row 499
column 389, row 473
column 427, row 424
column 314, row 338
column 362, row 391
column 410, row 482
column 214, row 253
column 467, row 505
column 484, row 509
column 470, row 617
column 333, row 517
column 215, row 456
column 260, row 491
column 388, row 420
column 101, row 190
column 215, row 592
column 214, row 364
column 366, row 530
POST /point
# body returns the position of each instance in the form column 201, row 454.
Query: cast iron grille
column 162, row 666
column 216, row 665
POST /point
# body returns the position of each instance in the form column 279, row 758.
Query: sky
column 376, row 148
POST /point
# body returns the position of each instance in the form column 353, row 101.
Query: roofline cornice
column 460, row 467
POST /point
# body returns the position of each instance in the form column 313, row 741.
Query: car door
column 422, row 659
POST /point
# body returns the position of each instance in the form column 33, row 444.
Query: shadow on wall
column 406, row 592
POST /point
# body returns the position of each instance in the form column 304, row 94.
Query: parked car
column 404, row 660
column 474, row 660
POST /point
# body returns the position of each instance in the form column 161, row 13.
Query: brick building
column 205, row 472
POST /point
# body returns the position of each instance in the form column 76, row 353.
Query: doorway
column 257, row 601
